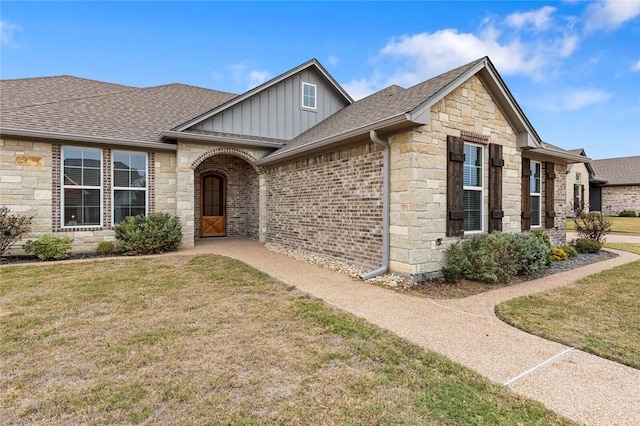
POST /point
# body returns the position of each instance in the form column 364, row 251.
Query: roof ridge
column 188, row 85
column 60, row 101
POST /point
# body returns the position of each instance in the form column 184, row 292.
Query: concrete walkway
column 581, row 386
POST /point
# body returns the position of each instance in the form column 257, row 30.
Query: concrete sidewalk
column 578, row 385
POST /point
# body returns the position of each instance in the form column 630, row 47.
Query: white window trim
column 120, row 188
column 478, row 189
column 315, row 96
column 63, row 187
column 539, row 195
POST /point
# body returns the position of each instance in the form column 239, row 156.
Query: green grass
column 209, row 340
column 598, row 315
column 620, row 224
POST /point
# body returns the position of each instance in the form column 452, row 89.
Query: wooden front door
column 212, row 220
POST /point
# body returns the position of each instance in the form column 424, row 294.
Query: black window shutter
column 495, row 187
column 549, row 194
column 526, row 195
column 455, row 193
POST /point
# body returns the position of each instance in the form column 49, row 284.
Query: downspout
column 386, row 177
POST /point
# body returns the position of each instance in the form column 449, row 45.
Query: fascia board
column 549, row 153
column 170, row 134
column 69, row 137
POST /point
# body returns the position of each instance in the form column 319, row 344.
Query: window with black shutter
column 455, row 193
column 496, row 163
column 549, row 190
column 525, row 196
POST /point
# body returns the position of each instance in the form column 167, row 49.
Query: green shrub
column 593, row 225
column 587, row 245
column 495, row 257
column 627, row 213
column 48, row 247
column 12, row 228
column 542, row 236
column 105, row 248
column 569, row 250
column 155, row 233
column 558, row 255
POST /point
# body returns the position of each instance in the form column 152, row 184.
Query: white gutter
column 101, row 140
column 386, row 177
column 171, row 134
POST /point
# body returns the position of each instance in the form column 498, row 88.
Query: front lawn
column 620, row 224
column 598, row 315
column 209, row 340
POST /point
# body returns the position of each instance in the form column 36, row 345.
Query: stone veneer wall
column 618, row 198
column 419, row 177
column 571, row 180
column 241, row 191
column 26, row 183
column 329, row 204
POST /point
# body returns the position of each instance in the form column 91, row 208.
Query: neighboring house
column 392, row 179
column 578, row 176
column 615, row 185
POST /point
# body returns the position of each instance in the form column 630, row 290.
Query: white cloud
column 7, row 33
column 538, row 18
column 568, row 45
column 359, row 89
column 576, row 99
column 635, row 67
column 333, row 60
column 249, row 78
column 610, row 14
column 429, row 54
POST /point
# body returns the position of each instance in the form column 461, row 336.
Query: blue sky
column 573, row 66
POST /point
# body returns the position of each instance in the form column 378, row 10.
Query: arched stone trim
column 228, row 151
column 211, row 170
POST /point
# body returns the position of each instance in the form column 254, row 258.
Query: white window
column 309, row 95
column 472, row 186
column 81, row 186
column 578, row 176
column 129, row 184
column 535, row 193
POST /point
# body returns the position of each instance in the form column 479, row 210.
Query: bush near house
column 558, row 255
column 12, row 228
column 569, row 250
column 496, row 257
column 627, row 213
column 155, row 233
column 587, row 245
column 48, row 247
column 593, row 225
column 105, row 248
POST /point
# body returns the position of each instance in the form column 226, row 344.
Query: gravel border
column 397, row 281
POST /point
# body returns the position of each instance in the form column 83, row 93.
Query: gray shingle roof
column 618, row 171
column 387, row 103
column 85, row 107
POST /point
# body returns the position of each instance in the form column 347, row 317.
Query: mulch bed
column 438, row 288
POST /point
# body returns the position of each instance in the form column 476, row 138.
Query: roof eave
column 197, row 137
column 335, row 139
column 567, row 156
column 85, row 139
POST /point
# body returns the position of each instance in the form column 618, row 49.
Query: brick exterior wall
column 618, row 198
column 557, row 234
column 329, row 204
column 242, row 194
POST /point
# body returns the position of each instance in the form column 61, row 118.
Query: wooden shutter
column 549, row 195
column 455, row 193
column 496, row 163
column 526, row 195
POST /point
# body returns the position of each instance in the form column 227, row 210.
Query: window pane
column 535, row 210
column 129, row 170
column 535, row 178
column 72, row 176
column 91, row 177
column 472, row 210
column 81, row 207
column 128, row 203
column 472, row 166
column 120, row 178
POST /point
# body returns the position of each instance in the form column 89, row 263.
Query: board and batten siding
column 277, row 112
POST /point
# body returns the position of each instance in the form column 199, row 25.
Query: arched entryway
column 227, row 200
